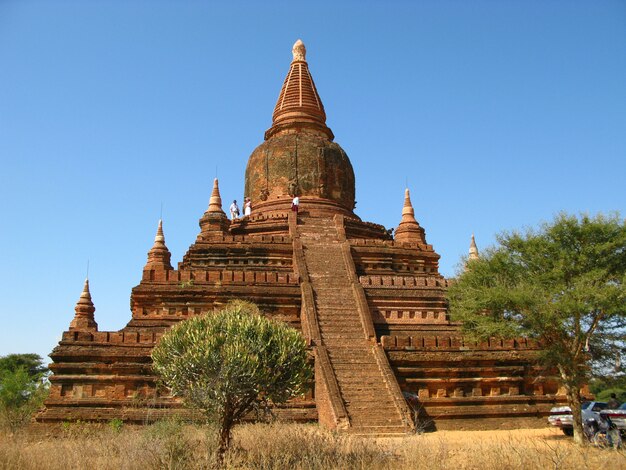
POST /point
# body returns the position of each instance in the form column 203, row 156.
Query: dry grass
column 279, row 446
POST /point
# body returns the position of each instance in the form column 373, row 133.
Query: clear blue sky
column 499, row 114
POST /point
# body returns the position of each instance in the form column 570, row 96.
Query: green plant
column 232, row 363
column 22, row 390
column 563, row 285
column 116, row 424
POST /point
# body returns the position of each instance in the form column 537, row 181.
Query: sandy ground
column 473, row 438
column 461, row 437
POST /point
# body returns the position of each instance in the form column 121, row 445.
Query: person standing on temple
column 234, row 210
column 295, row 203
column 247, row 207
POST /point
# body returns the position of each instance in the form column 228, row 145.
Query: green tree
column 232, row 362
column 22, row 390
column 32, row 363
column 563, row 285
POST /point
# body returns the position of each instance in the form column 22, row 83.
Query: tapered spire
column 408, row 214
column 159, row 256
column 84, row 316
column 214, row 220
column 215, row 202
column 299, row 105
column 473, row 250
column 409, row 230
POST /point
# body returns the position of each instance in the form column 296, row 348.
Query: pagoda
column 370, row 305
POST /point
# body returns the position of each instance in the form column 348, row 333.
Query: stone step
column 364, row 398
column 374, row 415
column 330, row 317
column 359, row 419
column 339, row 337
column 370, row 408
column 339, row 317
column 333, row 293
column 354, row 347
column 340, row 323
column 320, row 268
column 356, row 380
column 347, row 324
column 371, row 378
column 348, row 359
column 351, row 356
column 338, row 313
column 327, row 274
column 363, row 367
column 330, row 321
column 321, row 235
column 375, row 401
column 337, row 306
column 347, row 327
column 342, row 333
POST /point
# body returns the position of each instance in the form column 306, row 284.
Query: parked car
column 617, row 416
column 561, row 416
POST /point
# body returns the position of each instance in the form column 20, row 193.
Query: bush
column 20, row 397
column 232, row 363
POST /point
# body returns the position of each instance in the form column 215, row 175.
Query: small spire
column 160, row 238
column 84, row 316
column 409, row 229
column 473, row 250
column 159, row 255
column 215, row 202
column 408, row 214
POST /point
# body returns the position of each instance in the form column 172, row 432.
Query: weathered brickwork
column 371, row 305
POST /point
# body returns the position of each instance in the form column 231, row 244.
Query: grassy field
column 171, row 445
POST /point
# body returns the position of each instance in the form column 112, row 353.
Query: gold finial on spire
column 473, row 250
column 215, row 202
column 299, row 51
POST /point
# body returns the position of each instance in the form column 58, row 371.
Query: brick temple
column 370, row 304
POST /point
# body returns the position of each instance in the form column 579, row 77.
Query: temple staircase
column 368, row 391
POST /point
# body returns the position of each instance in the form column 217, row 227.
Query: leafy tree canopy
column 563, row 284
column 232, row 362
column 21, row 389
column 32, row 363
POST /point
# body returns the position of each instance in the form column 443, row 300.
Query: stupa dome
column 299, row 156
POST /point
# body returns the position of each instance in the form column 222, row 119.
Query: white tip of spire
column 473, row 251
column 159, row 235
column 299, row 50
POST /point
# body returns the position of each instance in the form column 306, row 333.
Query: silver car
column 561, row 416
